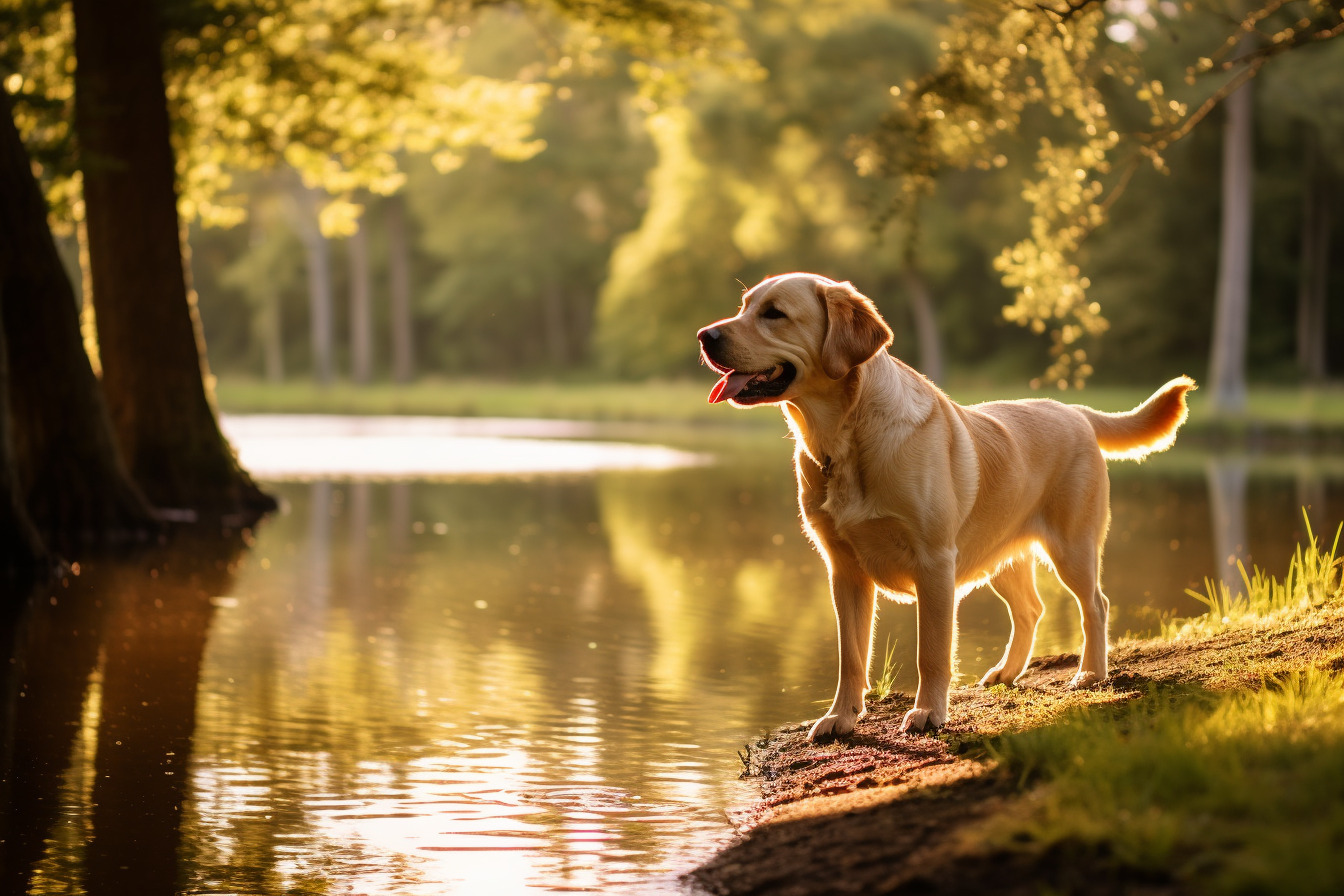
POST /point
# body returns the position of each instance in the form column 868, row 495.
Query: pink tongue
column 729, row 386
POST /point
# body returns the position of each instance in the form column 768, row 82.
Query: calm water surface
column 486, row 681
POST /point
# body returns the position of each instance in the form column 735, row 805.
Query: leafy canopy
column 1055, row 78
column 337, row 89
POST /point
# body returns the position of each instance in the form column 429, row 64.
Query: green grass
column 891, row 670
column 1313, row 578
column 672, row 401
column 1230, row 791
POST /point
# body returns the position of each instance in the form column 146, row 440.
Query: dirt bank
column 879, row 812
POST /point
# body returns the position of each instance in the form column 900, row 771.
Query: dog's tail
column 1150, row 427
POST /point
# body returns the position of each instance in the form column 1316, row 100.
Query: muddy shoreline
column 882, row 812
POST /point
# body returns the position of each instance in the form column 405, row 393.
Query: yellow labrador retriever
column 905, row 491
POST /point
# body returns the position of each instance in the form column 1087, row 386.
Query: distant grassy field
column 1284, row 412
column 657, row 401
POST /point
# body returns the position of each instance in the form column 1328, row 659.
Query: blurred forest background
column 386, row 191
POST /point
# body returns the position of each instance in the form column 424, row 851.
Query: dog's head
column 794, row 332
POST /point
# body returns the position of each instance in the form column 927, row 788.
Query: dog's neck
column 824, row 423
column 821, row 423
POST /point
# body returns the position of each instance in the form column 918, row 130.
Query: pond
column 503, row 673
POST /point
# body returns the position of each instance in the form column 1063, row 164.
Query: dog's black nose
column 709, row 335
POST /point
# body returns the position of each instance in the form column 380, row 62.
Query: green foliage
column 659, row 272
column 997, row 67
column 269, row 275
column 518, row 262
column 1053, row 79
column 753, row 178
column 336, row 89
column 1302, row 88
column 692, row 148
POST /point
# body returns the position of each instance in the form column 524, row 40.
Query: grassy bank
column 1210, row 762
column 1274, row 417
column 1229, row 789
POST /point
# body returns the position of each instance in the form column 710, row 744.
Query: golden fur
column 902, row 490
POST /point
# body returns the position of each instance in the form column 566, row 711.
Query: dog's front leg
column 854, row 596
column 936, row 607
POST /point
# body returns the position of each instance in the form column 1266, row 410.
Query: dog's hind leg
column 1015, row 585
column 1079, row 568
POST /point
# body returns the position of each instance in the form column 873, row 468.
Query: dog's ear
column 854, row 330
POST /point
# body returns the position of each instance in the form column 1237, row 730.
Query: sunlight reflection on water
column 495, row 684
column 314, row 446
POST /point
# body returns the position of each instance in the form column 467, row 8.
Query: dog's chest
column 844, row 487
column 832, row 496
column 841, row 524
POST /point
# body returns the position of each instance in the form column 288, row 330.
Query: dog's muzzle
column 712, row 344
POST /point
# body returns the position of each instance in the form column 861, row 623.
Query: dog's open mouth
column 748, row 388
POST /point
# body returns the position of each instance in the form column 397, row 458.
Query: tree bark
column 270, row 318
column 1232, row 304
column 274, row 339
column 399, row 285
column 68, row 474
column 149, row 336
column 361, row 301
column 557, row 338
column 1312, row 296
column 150, row 341
column 926, row 323
column 22, row 553
column 320, row 319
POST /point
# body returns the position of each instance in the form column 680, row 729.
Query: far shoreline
column 1277, row 419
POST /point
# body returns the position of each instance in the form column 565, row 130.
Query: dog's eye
column 774, row 313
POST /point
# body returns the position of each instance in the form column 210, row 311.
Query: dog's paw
column 927, row 720
column 1084, row 680
column 997, row 675
column 833, row 724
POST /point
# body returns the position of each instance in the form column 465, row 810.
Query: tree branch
column 1069, row 9
column 1267, row 51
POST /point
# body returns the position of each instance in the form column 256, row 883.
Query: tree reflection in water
column 105, row 685
column 413, row 687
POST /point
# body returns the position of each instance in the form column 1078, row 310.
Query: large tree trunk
column 556, row 330
column 149, row 336
column 22, row 553
column 320, row 318
column 1232, row 304
column 926, row 323
column 273, row 339
column 269, row 324
column 399, row 286
column 361, row 306
column 68, row 473
column 1312, row 302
